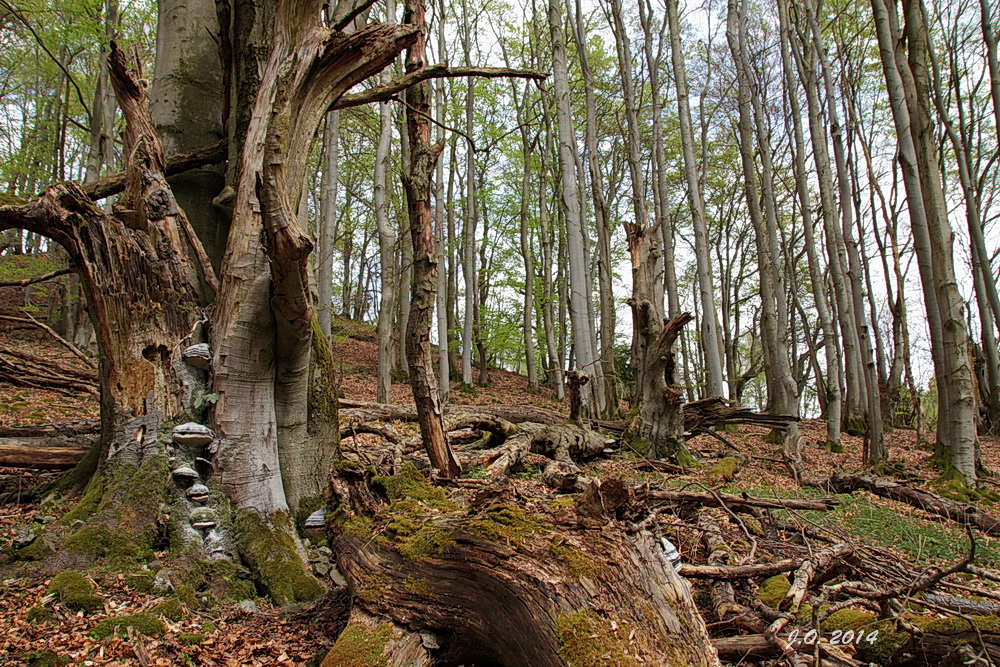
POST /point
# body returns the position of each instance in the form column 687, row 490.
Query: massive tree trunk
column 186, row 100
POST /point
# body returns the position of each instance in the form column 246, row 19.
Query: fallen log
column 721, row 499
column 503, row 579
column 24, row 369
column 54, row 429
column 367, row 411
column 745, row 647
column 739, row 571
column 48, row 452
column 929, row 502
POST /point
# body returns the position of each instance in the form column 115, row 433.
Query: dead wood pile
column 777, row 589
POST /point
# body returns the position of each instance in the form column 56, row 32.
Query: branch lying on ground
column 27, row 370
column 31, row 281
column 59, row 339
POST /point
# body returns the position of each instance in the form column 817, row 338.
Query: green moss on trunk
column 270, row 549
column 587, row 639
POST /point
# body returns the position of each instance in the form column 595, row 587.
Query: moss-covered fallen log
column 496, row 578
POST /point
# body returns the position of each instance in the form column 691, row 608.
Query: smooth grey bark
column 661, row 193
column 186, row 100
column 605, row 292
column 327, row 232
column 831, row 351
column 931, row 235
column 554, row 371
column 706, row 291
column 440, row 238
column 987, row 300
column 805, row 58
column 527, row 319
column 400, row 362
column 469, row 234
column 989, row 37
column 782, row 395
column 870, row 390
column 579, row 288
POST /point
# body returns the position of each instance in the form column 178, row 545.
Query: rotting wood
column 812, row 570
column 510, row 580
column 929, row 502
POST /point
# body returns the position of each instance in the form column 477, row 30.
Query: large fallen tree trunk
column 51, row 446
column 500, row 579
column 929, row 502
column 50, row 453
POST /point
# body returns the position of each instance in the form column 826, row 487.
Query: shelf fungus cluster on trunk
column 484, row 574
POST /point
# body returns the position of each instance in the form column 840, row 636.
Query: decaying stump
column 495, row 578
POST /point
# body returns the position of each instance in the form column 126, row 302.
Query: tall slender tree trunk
column 327, row 235
column 831, row 351
column 836, row 254
column 388, row 265
column 418, row 186
column 931, row 234
column 869, row 388
column 604, row 268
column 579, row 288
column 706, row 290
column 441, row 232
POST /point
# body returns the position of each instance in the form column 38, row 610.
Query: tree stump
column 494, row 578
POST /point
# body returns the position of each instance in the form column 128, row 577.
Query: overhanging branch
column 440, row 71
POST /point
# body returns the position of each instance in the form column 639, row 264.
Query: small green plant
column 476, row 472
column 205, row 399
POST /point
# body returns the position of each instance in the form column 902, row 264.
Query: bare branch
column 440, row 71
column 32, row 281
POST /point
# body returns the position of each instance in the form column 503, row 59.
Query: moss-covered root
column 75, row 591
column 271, row 552
column 726, row 468
column 366, row 642
column 144, row 623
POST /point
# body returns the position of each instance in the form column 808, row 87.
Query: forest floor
column 258, row 633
